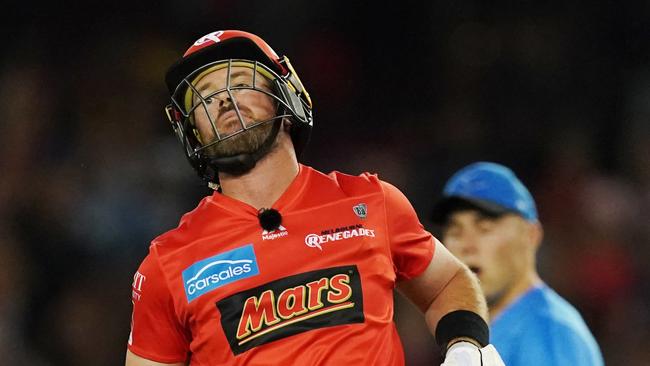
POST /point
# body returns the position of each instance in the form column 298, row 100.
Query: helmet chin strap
column 242, row 163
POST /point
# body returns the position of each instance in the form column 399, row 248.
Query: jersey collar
column 287, row 200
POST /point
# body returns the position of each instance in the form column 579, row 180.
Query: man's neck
column 524, row 284
column 266, row 182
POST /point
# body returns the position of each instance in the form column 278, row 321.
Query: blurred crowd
column 90, row 171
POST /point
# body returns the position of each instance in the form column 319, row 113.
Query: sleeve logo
column 138, row 280
column 211, row 273
column 292, row 305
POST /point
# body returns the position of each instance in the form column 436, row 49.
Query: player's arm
column 134, row 360
column 440, row 285
column 454, row 307
column 445, row 285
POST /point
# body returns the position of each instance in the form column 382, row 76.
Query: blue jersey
column 541, row 328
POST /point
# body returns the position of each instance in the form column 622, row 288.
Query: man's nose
column 224, row 100
column 468, row 242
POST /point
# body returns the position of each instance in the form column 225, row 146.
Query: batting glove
column 467, row 354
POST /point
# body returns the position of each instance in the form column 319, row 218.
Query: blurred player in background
column 284, row 265
column 490, row 223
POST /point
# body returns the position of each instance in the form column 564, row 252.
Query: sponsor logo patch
column 211, row 273
column 340, row 233
column 292, row 305
column 136, row 295
column 280, row 232
column 138, row 280
column 211, row 37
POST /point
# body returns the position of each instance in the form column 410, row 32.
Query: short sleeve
column 156, row 333
column 411, row 246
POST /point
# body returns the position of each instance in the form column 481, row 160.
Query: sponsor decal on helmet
column 212, row 37
column 211, row 273
column 292, row 305
column 341, row 233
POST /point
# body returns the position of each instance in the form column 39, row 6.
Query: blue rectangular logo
column 222, row 269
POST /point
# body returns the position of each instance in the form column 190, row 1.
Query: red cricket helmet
column 226, row 46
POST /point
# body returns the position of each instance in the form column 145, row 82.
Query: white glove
column 467, row 354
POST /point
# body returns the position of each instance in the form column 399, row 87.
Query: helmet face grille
column 242, row 78
column 198, row 102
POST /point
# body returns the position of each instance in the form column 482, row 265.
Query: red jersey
column 318, row 290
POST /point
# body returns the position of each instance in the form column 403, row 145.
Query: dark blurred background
column 90, row 170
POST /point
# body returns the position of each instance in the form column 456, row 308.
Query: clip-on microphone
column 270, row 218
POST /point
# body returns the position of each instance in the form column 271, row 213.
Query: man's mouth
column 231, row 114
column 229, row 123
column 475, row 269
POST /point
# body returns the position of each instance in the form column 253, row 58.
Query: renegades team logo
column 292, row 305
column 361, row 210
column 340, row 233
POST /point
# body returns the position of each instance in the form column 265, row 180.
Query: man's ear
column 286, row 124
column 535, row 234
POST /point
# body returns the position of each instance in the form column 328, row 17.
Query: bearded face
column 245, row 142
column 232, row 112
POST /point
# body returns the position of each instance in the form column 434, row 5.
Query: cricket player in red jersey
column 284, row 265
